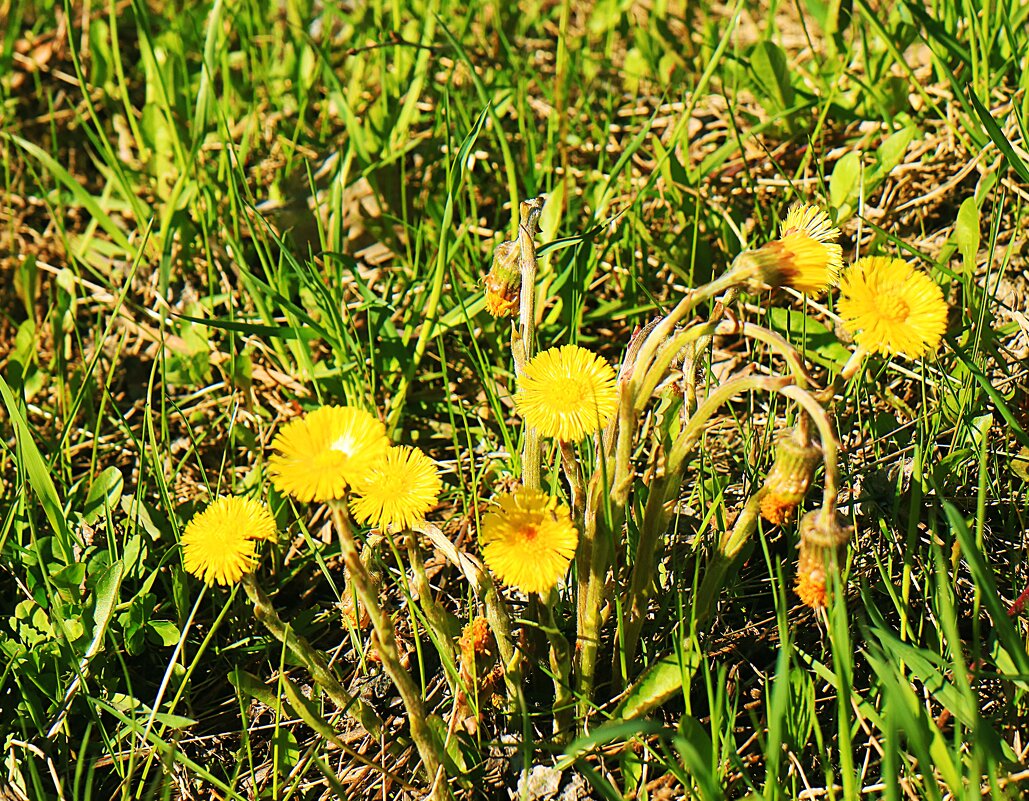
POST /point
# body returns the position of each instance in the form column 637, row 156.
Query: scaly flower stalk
column 429, row 750
column 561, row 667
column 312, row 659
column 523, row 343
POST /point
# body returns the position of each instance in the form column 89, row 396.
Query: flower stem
column 523, row 345
column 561, row 666
column 311, row 658
column 573, row 472
column 424, row 741
column 444, row 625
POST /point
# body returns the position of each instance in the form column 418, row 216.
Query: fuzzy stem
column 775, row 341
column 524, row 345
column 573, row 472
column 663, row 330
column 497, row 613
column 689, row 368
column 444, row 624
column 311, row 658
column 561, row 666
column 382, row 625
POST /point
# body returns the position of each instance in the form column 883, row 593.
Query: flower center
column 344, row 445
column 569, row 393
column 529, row 533
column 892, row 308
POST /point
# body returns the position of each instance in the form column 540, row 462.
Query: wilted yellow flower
column 322, row 454
column 567, row 393
column 804, row 256
column 398, row 490
column 891, row 307
column 218, row 545
column 529, row 540
column 504, row 281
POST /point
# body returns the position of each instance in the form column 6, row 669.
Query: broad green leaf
column 104, row 493
column 166, row 631
column 967, row 233
column 772, row 75
column 845, row 185
column 660, row 682
column 892, row 150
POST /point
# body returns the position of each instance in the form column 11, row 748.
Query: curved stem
column 647, row 383
column 775, row 341
column 663, row 330
column 691, row 432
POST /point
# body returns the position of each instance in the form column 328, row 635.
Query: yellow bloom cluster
column 338, row 450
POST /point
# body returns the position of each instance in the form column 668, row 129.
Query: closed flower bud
column 822, row 546
column 787, row 483
column 504, row 281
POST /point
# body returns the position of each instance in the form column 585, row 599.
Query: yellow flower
column 398, row 490
column 529, row 540
column 804, row 256
column 567, row 393
column 891, row 307
column 322, row 454
column 218, row 544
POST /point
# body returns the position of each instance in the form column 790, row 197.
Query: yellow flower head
column 322, row 454
column 398, row 490
column 218, row 544
column 804, row 256
column 891, row 307
column 529, row 540
column 567, row 393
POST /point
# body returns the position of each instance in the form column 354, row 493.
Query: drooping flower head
column 823, row 543
column 503, row 282
column 218, row 545
column 796, row 458
column 398, row 489
column 567, row 393
column 805, row 256
column 528, row 540
column 325, row 452
column 892, row 308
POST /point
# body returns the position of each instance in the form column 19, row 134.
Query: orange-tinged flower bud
column 503, row 282
column 822, row 545
column 805, row 256
column 787, row 483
